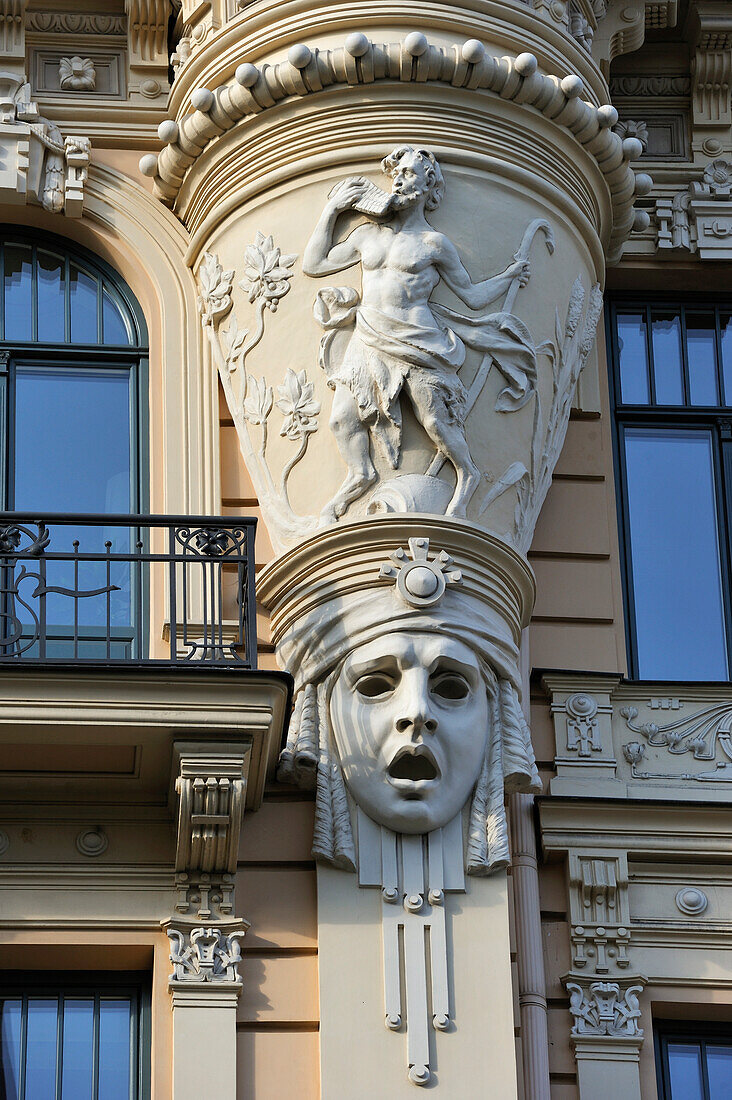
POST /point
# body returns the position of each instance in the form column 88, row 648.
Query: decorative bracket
column 709, row 29
column 605, row 1009
column 206, row 956
column 210, row 782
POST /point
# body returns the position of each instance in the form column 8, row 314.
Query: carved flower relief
column 266, row 272
column 77, row 74
column 629, row 128
column 215, row 297
column 298, row 405
column 718, row 176
column 259, row 400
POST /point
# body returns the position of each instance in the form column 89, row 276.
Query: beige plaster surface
column 359, row 1056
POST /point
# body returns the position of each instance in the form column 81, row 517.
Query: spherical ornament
column 632, row 148
column 416, row 44
column 582, row 705
column 168, row 131
column 421, row 581
column 299, row 55
column 473, row 51
column 393, row 1022
column 692, row 901
column 413, row 903
column 441, row 1023
column 641, row 221
column 151, row 88
column 643, row 184
column 202, row 99
column 148, row 164
column 712, row 147
column 572, row 86
column 526, row 64
column 607, row 116
column 357, row 44
column 247, row 75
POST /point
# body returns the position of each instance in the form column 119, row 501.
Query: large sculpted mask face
column 410, row 718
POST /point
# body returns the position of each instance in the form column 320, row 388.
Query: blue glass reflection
column 114, row 1050
column 719, row 1070
column 685, row 1072
column 40, row 1070
column 83, row 287
column 51, row 298
column 10, row 1024
column 725, row 326
column 667, row 368
column 84, row 464
column 675, row 562
column 633, row 358
column 18, row 285
column 77, row 1078
column 701, row 349
column 115, row 326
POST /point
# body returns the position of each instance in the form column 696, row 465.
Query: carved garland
column 360, row 61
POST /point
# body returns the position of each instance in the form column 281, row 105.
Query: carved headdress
column 382, row 589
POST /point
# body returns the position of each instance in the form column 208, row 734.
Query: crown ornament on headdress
column 420, row 581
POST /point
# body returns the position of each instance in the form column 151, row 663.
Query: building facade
column 422, row 779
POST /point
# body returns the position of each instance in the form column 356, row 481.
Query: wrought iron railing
column 109, row 588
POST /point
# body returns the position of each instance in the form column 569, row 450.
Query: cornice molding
column 413, row 60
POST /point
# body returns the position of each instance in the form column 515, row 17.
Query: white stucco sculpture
column 399, row 342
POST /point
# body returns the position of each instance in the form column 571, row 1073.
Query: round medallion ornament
column 92, row 842
column 420, row 580
column 692, row 901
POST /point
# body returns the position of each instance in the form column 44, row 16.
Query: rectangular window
column 694, row 1063
column 672, row 385
column 74, row 1043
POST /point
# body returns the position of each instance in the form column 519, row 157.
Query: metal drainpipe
column 529, row 947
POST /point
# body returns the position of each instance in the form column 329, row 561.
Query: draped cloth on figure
column 386, row 354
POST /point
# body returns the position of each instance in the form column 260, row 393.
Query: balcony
column 91, row 588
column 121, row 637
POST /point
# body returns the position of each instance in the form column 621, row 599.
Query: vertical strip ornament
column 414, row 873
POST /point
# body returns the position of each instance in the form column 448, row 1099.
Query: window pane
column 18, row 283
column 51, row 300
column 666, row 331
column 77, row 1080
column 10, row 1049
column 701, row 344
column 725, row 326
column 40, row 1070
column 85, row 420
column 685, row 1073
column 83, row 307
column 675, row 561
column 633, row 358
column 719, row 1069
column 114, row 1050
column 115, row 324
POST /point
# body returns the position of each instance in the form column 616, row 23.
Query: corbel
column 209, row 786
column 12, row 36
column 147, row 45
column 709, row 32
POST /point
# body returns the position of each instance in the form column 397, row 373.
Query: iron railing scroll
column 88, row 587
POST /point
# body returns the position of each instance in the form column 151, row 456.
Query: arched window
column 73, row 392
column 72, row 381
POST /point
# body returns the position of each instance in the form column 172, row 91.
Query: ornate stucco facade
column 440, row 836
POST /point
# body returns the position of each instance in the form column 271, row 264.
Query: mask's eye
column 374, row 685
column 450, row 685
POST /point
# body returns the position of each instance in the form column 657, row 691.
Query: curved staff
column 522, row 255
column 481, row 375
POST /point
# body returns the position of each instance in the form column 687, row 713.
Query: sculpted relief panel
column 408, row 379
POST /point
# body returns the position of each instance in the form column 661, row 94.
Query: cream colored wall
column 278, row 1015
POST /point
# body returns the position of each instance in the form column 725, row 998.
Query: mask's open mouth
column 414, row 764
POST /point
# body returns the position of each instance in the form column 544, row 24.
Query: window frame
column 685, row 1031
column 716, row 419
column 95, row 984
column 134, row 357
